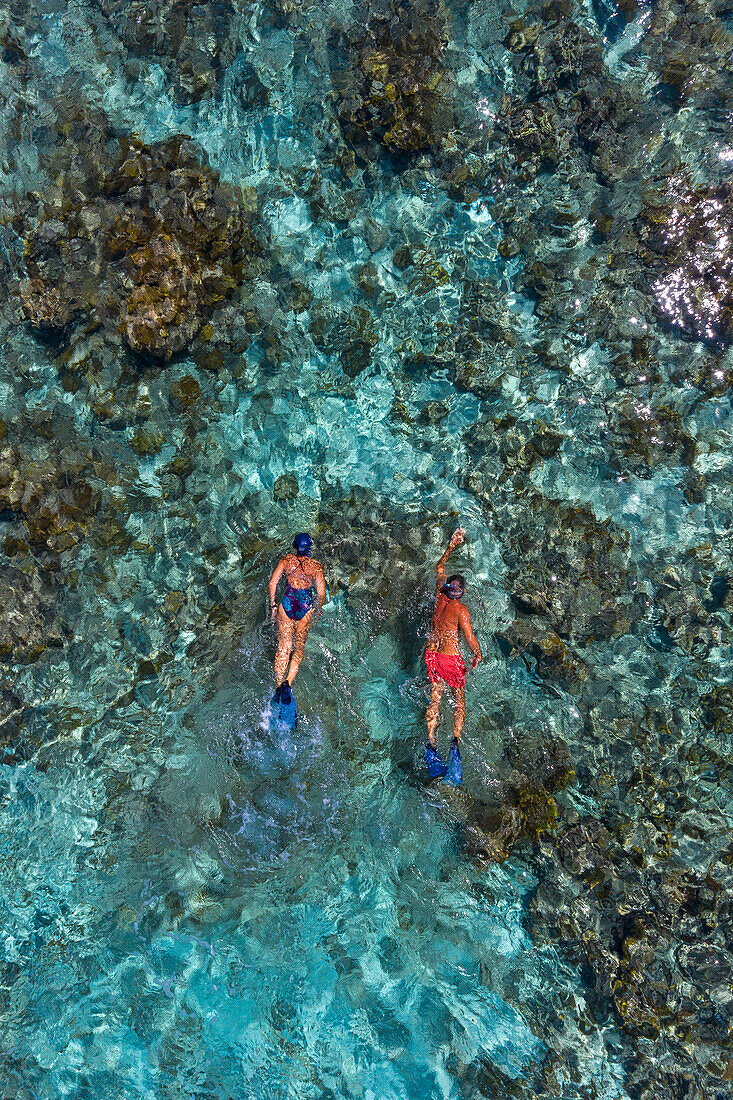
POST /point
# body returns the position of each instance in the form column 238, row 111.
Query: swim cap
column 302, row 544
column 455, row 586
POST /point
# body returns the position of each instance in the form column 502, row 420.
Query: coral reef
column 194, row 42
column 142, row 241
column 685, row 233
column 569, row 570
column 369, row 271
column 392, row 84
column 646, row 908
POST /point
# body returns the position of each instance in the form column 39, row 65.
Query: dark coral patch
column 141, row 240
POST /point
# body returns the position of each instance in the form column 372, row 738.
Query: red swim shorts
column 441, row 666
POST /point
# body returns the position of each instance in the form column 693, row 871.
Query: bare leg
column 300, row 634
column 459, row 711
column 284, row 644
column 431, row 714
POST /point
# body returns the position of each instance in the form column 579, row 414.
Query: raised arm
column 464, row 619
column 455, row 540
column 273, row 584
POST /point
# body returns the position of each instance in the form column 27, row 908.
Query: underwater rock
column 690, row 47
column 62, row 508
column 685, row 232
column 528, row 810
column 296, row 296
column 551, row 655
column 359, row 336
column 684, row 617
column 193, row 42
column 13, row 38
column 571, row 571
column 638, row 897
column 52, row 500
column 527, row 813
column 434, row 412
column 541, row 759
column 286, row 487
column 531, row 132
column 146, row 443
column 569, row 106
column 624, row 924
column 11, row 719
column 510, row 446
column 556, row 53
column 144, row 241
column 469, row 175
column 391, row 82
column 349, row 335
column 161, row 315
column 691, row 598
column 221, row 348
column 29, row 623
column 717, row 710
column 491, row 833
column 482, row 345
column 184, row 393
column 537, row 811
column 564, row 152
column 649, row 434
column 47, row 310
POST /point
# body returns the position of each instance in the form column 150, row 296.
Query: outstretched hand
column 457, row 537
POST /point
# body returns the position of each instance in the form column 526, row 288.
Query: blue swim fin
column 288, row 717
column 284, row 716
column 434, row 763
column 454, row 770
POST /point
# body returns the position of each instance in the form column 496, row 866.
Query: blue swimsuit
column 297, row 602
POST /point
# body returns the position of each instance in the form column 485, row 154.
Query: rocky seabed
column 371, row 270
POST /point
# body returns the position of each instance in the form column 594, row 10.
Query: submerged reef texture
column 391, row 80
column 138, row 241
column 371, row 270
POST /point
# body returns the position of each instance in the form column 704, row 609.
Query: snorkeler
column 295, row 613
column 445, row 664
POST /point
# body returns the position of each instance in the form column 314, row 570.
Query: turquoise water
column 429, row 266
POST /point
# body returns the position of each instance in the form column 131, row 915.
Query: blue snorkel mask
column 302, row 544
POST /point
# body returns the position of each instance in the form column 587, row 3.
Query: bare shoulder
column 464, row 613
column 318, row 566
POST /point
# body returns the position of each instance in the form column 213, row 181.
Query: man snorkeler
column 445, row 664
column 295, row 614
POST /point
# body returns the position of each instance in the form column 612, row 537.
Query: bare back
column 301, row 572
column 450, row 619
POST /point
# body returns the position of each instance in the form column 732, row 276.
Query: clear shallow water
column 296, row 915
column 192, row 908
